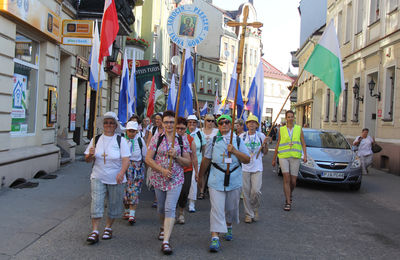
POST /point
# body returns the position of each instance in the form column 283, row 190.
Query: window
column 201, row 84
column 327, row 105
column 25, row 85
column 344, row 102
column 232, row 53
column 392, row 5
column 349, row 22
column 224, row 79
column 335, row 110
column 210, row 67
column 255, row 57
column 360, row 16
column 339, row 28
column 389, row 94
column 209, row 85
column 251, row 56
column 216, row 85
column 374, row 11
column 225, row 49
column 356, row 103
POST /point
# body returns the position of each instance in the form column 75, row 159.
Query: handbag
column 376, row 148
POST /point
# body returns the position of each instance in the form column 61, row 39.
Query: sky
column 281, row 30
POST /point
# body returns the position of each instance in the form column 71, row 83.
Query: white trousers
column 252, row 182
column 193, row 188
column 224, row 208
column 366, row 161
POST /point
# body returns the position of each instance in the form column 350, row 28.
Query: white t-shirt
column 253, row 144
column 214, row 132
column 134, row 147
column 107, row 173
column 365, row 146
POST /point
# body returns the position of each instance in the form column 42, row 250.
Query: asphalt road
column 52, row 222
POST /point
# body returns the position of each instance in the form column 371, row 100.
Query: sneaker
column 247, row 219
column 215, row 245
column 256, row 216
column 228, row 235
column 181, row 219
column 191, row 208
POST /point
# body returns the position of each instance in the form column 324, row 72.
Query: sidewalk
column 28, row 214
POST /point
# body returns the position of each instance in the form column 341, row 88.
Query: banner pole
column 177, row 105
column 284, row 103
column 95, row 108
column 197, row 104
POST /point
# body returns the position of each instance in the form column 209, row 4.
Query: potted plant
column 137, row 41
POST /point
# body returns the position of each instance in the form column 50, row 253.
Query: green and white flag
column 325, row 61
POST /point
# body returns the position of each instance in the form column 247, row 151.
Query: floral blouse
column 157, row 179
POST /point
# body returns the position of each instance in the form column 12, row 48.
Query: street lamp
column 371, row 86
column 356, row 91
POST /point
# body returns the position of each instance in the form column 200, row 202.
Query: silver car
column 331, row 159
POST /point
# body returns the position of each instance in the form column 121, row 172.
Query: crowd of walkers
column 203, row 157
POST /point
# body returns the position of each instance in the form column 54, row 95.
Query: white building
column 276, row 89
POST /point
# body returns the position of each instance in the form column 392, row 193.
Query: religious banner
column 19, row 104
column 144, row 77
column 187, row 26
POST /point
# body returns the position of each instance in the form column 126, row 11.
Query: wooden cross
column 244, row 26
column 104, row 156
column 223, row 157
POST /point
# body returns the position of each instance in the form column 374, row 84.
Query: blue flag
column 172, row 95
column 123, row 109
column 203, row 111
column 255, row 96
column 231, row 92
column 132, row 89
column 186, row 98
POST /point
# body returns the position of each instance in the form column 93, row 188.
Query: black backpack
column 96, row 139
column 201, row 140
column 160, row 139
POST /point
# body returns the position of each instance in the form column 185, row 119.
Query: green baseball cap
column 227, row 117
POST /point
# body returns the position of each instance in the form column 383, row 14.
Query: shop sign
column 19, row 104
column 139, row 63
column 77, row 28
column 77, row 41
column 82, row 68
column 35, row 14
column 187, row 26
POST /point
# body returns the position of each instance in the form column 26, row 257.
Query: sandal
column 287, row 207
column 93, row 238
column 161, row 234
column 201, row 196
column 107, row 234
column 126, row 215
column 166, row 248
column 132, row 220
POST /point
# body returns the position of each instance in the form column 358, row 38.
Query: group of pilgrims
column 179, row 170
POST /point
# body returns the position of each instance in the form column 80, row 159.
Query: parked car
column 331, row 159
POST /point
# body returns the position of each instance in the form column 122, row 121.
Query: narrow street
column 52, row 222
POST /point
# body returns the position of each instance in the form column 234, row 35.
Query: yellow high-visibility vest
column 290, row 147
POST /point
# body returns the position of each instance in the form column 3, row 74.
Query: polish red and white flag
column 109, row 29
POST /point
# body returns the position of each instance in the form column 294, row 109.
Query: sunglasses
column 169, row 122
column 210, row 121
column 181, row 128
column 224, row 122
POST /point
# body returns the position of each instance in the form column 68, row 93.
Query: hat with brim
column 252, row 118
column 110, row 115
column 132, row 125
column 192, row 117
column 227, row 117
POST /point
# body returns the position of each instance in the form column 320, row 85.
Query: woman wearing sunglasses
column 224, row 199
column 167, row 183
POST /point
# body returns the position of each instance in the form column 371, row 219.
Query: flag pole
column 95, row 108
column 197, row 102
column 177, row 105
column 284, row 103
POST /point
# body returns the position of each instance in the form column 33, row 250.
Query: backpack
column 247, row 134
column 201, row 140
column 153, row 130
column 160, row 139
column 96, row 139
column 237, row 141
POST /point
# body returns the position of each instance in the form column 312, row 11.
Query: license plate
column 333, row 175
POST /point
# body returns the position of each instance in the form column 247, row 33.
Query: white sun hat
column 114, row 116
column 192, row 117
column 132, row 125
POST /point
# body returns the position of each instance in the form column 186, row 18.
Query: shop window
column 23, row 113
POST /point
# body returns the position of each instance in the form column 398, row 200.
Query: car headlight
column 310, row 162
column 356, row 163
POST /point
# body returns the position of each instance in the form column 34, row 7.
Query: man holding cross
column 224, row 199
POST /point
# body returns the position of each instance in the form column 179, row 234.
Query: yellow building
column 369, row 34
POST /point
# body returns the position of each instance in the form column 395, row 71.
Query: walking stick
column 177, row 105
column 284, row 103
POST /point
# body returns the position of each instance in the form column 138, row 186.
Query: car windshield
column 325, row 140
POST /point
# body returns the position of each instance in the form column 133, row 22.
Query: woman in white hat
column 110, row 153
column 200, row 141
column 252, row 172
column 135, row 173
